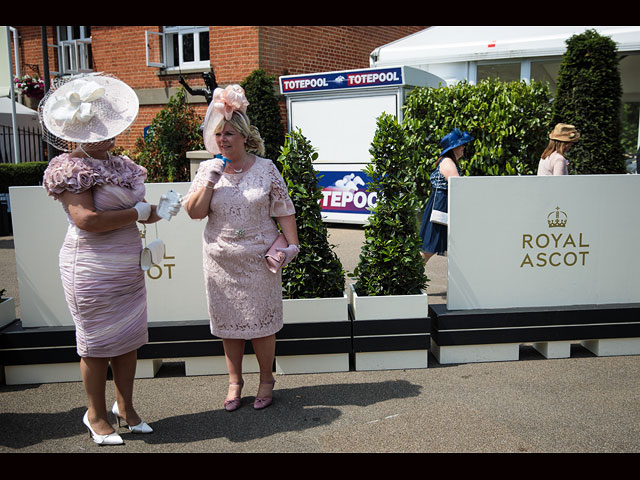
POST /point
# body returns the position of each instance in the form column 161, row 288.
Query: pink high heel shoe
column 234, row 403
column 264, row 402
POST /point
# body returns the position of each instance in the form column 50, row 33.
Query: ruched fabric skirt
column 105, row 290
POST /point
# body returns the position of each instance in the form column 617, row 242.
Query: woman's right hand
column 215, row 170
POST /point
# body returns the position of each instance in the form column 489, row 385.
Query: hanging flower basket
column 32, row 87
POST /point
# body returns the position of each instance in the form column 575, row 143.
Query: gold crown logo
column 559, row 219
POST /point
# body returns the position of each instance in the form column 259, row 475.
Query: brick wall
column 235, row 51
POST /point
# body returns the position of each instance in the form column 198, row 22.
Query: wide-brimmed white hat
column 87, row 108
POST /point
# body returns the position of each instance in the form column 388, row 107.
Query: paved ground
column 581, row 404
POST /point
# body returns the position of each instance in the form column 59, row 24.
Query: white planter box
column 313, row 311
column 386, row 307
column 7, row 312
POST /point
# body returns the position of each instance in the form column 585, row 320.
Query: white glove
column 290, row 252
column 169, row 205
column 216, row 169
column 144, row 210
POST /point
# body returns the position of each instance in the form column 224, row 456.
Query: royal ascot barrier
column 544, row 260
column 465, row 336
column 48, row 354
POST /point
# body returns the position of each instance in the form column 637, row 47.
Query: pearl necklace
column 89, row 156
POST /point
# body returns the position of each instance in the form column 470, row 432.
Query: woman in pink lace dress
column 103, row 197
column 241, row 197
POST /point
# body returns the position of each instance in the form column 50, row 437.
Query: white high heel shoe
column 142, row 427
column 109, row 439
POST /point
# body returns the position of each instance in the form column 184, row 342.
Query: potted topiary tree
column 316, row 272
column 314, row 282
column 390, row 274
column 390, row 263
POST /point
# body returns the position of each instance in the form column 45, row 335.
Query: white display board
column 543, row 241
column 341, row 129
column 175, row 289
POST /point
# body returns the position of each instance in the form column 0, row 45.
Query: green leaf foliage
column 316, row 271
column 390, row 261
column 172, row 134
column 21, row 174
column 589, row 97
column 264, row 110
column 510, row 122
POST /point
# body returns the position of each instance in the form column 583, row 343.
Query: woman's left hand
column 290, row 253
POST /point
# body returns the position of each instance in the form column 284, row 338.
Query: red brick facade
column 235, row 52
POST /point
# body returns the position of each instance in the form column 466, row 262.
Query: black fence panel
column 32, row 147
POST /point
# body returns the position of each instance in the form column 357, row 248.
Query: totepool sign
column 346, row 192
column 341, row 80
column 543, row 241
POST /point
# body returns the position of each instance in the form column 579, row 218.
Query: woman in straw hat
column 434, row 235
column 552, row 160
column 241, row 194
column 103, row 197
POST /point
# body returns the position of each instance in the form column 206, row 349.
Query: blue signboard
column 341, row 80
column 345, row 191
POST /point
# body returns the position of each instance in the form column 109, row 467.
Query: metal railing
column 30, row 143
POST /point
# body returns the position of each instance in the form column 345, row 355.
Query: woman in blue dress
column 434, row 235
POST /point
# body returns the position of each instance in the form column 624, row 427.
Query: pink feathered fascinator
column 223, row 104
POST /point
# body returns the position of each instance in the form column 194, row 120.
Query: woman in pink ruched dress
column 241, row 195
column 103, row 197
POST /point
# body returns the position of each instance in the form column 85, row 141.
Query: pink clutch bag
column 273, row 257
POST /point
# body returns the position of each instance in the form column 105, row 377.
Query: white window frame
column 147, row 42
column 73, row 55
column 167, row 61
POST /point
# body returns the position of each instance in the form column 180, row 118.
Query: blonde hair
column 241, row 123
column 556, row 146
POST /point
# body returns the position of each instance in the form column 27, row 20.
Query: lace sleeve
column 281, row 204
column 66, row 173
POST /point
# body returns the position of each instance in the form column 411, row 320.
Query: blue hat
column 454, row 139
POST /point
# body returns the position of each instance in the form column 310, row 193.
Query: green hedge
column 173, row 133
column 21, row 174
column 510, row 122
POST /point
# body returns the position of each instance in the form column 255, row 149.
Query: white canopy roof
column 442, row 44
column 25, row 117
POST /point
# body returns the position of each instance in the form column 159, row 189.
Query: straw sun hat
column 564, row 133
column 86, row 109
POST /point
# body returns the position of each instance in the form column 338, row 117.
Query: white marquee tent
column 470, row 52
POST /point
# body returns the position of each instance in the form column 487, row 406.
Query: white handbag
column 437, row 216
column 153, row 253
